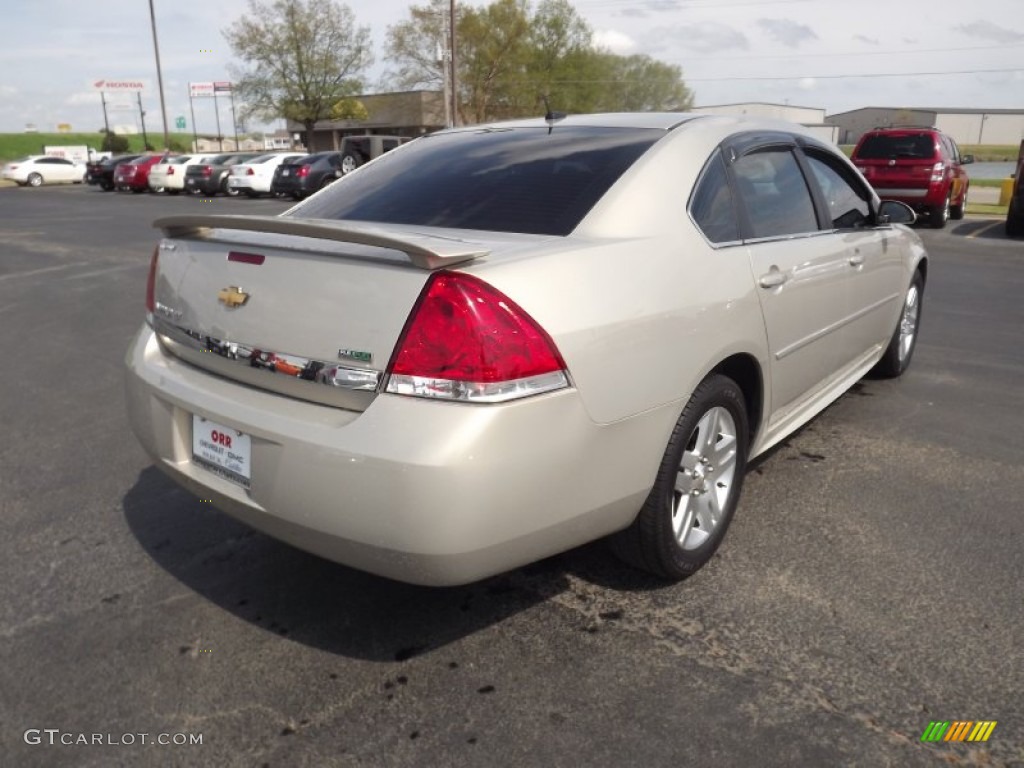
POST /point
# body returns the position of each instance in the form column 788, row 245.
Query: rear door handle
column 856, row 260
column 772, row 279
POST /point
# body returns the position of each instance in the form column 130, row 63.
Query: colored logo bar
column 958, row 730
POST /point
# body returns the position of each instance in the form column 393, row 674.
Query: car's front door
column 875, row 265
column 801, row 276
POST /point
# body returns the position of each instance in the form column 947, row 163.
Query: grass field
column 15, row 145
column 986, row 209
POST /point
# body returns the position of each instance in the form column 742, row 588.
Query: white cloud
column 614, row 41
column 986, row 30
column 707, row 37
column 787, row 31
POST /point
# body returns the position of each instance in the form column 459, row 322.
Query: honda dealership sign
column 200, row 90
column 122, row 85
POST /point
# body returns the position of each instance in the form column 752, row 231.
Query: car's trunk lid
column 308, row 308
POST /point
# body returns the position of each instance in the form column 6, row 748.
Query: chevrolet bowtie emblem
column 232, row 297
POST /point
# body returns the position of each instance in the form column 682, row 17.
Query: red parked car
column 921, row 167
column 134, row 175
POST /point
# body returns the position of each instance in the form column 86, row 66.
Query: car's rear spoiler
column 426, row 251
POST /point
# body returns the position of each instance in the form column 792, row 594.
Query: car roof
column 663, row 120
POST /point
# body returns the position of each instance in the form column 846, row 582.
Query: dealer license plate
column 286, row 172
column 222, row 450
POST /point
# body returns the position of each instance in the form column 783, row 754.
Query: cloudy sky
column 831, row 54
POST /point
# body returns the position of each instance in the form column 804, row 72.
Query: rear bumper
column 416, row 490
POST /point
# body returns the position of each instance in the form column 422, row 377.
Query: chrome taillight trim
column 476, row 392
column 282, row 372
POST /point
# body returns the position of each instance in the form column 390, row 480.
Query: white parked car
column 254, row 177
column 36, row 170
column 170, row 176
column 498, row 342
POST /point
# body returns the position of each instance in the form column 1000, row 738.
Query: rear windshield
column 506, row 180
column 884, row 146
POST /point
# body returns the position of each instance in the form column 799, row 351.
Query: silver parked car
column 499, row 342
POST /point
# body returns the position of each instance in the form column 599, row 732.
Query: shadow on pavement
column 330, row 606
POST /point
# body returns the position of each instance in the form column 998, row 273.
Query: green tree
column 642, row 84
column 114, row 143
column 416, row 48
column 303, row 57
column 511, row 57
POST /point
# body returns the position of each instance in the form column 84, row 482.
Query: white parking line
column 977, row 232
column 41, row 271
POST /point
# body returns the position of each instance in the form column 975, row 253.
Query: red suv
column 921, row 167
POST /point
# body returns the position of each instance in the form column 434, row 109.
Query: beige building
column 405, row 113
column 966, row 126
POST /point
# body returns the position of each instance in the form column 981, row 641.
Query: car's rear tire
column 1014, row 220
column 901, row 347
column 34, row 180
column 956, row 212
column 939, row 214
column 697, row 487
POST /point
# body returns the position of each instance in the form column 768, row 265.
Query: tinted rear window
column 883, row 146
column 508, row 180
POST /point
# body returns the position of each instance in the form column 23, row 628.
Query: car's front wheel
column 901, row 347
column 34, row 180
column 697, row 488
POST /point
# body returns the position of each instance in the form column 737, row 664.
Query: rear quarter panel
column 640, row 306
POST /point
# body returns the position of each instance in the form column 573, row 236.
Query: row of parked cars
column 294, row 174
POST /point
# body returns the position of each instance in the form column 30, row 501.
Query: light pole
column 159, row 76
column 451, row 48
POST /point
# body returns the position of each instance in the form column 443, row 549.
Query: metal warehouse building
column 810, row 117
column 966, row 126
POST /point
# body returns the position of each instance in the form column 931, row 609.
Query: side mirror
column 895, row 212
column 967, row 159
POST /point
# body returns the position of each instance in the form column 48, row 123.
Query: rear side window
column 712, row 206
column 885, row 146
column 775, row 193
column 529, row 180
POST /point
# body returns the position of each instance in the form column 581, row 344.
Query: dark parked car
column 101, row 172
column 1015, row 213
column 212, row 177
column 306, row 175
column 921, row 167
column 133, row 175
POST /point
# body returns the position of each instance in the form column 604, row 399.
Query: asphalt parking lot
column 870, row 584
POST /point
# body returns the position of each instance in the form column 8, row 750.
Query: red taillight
column 207, row 170
column 938, row 171
column 250, row 172
column 465, row 340
column 303, row 171
column 151, row 282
